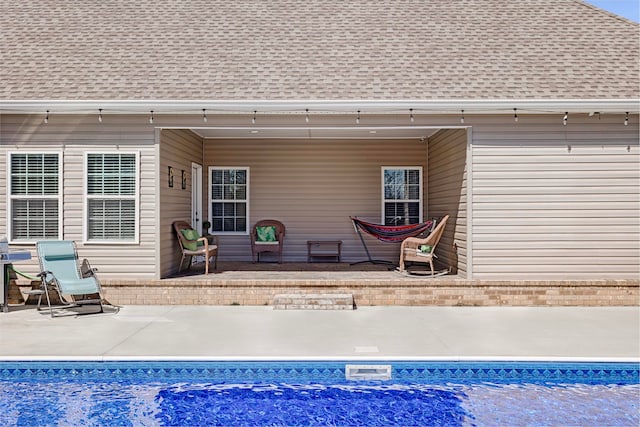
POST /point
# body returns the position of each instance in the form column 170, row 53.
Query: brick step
column 313, row 302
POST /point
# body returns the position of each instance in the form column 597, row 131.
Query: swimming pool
column 317, row 393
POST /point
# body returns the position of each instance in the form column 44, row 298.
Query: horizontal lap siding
column 556, row 202
column 313, row 186
column 178, row 149
column 447, row 195
column 74, row 136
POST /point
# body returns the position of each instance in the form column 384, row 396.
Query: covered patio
column 313, row 179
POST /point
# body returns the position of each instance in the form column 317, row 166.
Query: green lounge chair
column 61, row 272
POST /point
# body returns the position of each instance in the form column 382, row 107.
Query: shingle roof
column 315, row 49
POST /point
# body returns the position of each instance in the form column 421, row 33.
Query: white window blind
column 34, row 211
column 402, row 194
column 111, row 196
column 229, row 199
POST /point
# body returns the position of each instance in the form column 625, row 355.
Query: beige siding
column 556, row 202
column 74, row 136
column 313, row 186
column 548, row 201
column 447, row 195
column 178, row 149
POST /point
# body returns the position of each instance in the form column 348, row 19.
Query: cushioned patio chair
column 62, row 273
column 192, row 244
column 267, row 235
column 422, row 250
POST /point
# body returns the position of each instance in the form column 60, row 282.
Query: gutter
column 447, row 106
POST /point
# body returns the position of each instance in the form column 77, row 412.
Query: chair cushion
column 200, row 250
column 84, row 286
column 266, row 233
column 420, row 255
column 190, row 234
column 425, row 248
column 60, row 257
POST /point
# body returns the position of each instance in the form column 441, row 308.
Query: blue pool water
column 318, row 394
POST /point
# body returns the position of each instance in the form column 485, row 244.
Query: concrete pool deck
column 260, row 332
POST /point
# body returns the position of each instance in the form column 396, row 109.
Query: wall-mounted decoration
column 170, row 177
column 184, row 180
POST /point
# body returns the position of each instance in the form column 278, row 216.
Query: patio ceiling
column 342, row 132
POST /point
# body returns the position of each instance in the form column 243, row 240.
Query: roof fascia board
column 451, row 106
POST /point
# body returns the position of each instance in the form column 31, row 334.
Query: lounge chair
column 61, row 272
column 422, row 250
column 192, row 244
column 267, row 235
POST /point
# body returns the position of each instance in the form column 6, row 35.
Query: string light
column 100, row 115
column 46, row 117
column 205, row 119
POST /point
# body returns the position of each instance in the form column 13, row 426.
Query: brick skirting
column 422, row 292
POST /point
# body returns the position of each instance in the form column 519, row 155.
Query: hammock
column 388, row 233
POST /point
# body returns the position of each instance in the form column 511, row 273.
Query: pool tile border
column 289, row 371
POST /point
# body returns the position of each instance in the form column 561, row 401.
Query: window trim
column 420, row 200
column 10, row 197
column 210, row 197
column 86, row 197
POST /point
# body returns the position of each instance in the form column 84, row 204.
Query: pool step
column 313, row 302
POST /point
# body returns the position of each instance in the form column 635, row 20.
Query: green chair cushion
column 191, row 234
column 425, row 248
column 266, row 233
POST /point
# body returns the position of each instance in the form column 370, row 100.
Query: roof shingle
column 316, row 49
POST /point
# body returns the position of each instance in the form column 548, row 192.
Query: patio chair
column 422, row 250
column 267, row 235
column 75, row 284
column 192, row 244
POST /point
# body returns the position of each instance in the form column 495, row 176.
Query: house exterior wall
column 178, row 149
column 549, row 202
column 73, row 136
column 447, row 195
column 555, row 202
column 313, row 186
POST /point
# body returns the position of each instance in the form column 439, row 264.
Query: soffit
column 347, row 132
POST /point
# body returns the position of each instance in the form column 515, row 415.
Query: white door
column 196, row 196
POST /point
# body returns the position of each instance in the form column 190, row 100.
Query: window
column 34, row 196
column 229, row 199
column 402, row 195
column 112, row 197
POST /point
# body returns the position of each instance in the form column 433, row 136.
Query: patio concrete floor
column 260, row 332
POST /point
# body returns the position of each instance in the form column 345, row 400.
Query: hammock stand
column 387, row 233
